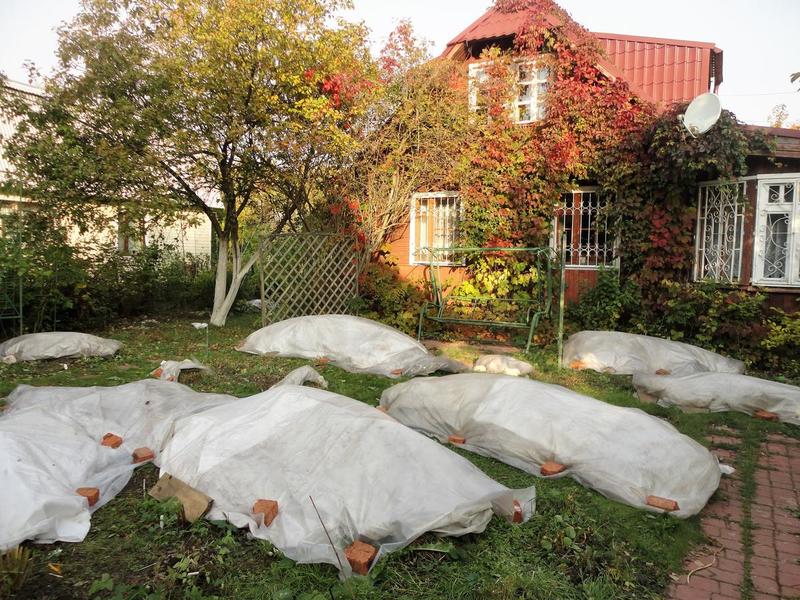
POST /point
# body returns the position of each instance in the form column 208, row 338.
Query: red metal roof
column 665, row 70
column 661, row 70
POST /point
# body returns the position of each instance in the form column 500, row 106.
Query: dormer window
column 531, row 83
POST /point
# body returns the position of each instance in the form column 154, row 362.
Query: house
column 747, row 232
column 189, row 235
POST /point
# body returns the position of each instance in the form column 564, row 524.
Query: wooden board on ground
column 195, row 503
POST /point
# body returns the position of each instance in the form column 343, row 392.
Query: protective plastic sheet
column 719, row 392
column 303, row 375
column 56, row 344
column 352, row 343
column 170, row 370
column 629, row 353
column 50, row 446
column 500, row 364
column 623, row 453
column 371, row 478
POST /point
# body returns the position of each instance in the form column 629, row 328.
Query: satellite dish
column 701, row 114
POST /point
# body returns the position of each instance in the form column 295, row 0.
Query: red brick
column 702, row 583
column 765, row 585
column 666, row 504
column 764, row 551
column 267, row 508
column 456, row 439
column 729, row 591
column 788, row 579
column 92, row 494
column 765, row 415
column 517, row 518
column 685, row 592
column 551, row 468
column 788, row 548
column 724, row 439
column 142, row 454
column 732, row 566
column 111, row 440
column 721, row 576
column 360, row 556
column 762, row 570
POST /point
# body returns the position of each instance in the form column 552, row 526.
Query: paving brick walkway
column 775, row 561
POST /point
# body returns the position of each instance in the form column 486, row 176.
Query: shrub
column 72, row 286
column 385, row 297
column 607, row 304
column 782, row 341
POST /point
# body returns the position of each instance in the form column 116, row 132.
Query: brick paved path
column 775, row 560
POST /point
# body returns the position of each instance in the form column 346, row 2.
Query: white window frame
column 558, row 225
column 764, row 208
column 711, row 263
column 413, row 250
column 534, row 102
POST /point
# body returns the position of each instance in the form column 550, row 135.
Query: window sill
column 791, row 288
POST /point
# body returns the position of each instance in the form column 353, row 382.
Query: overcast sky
column 759, row 37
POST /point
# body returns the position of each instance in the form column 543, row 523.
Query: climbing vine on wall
column 597, row 129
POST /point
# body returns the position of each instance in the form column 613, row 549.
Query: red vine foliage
column 515, row 174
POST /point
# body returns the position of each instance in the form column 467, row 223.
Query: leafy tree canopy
column 159, row 106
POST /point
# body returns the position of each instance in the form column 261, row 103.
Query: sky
column 759, row 37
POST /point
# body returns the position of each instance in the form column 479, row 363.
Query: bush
column 607, row 304
column 782, row 341
column 70, row 286
column 385, row 297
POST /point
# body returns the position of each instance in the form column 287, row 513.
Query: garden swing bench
column 447, row 307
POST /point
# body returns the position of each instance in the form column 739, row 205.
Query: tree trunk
column 224, row 299
column 221, row 281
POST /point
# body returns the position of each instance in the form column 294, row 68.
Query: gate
column 309, row 274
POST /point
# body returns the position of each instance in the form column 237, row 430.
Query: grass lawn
column 577, row 545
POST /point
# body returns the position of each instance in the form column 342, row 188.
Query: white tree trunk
column 224, row 299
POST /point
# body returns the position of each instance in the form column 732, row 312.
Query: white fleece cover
column 170, row 370
column 352, row 343
column 56, row 344
column 50, row 446
column 303, row 375
column 623, row 453
column 721, row 391
column 371, row 478
column 629, row 353
column 502, row 364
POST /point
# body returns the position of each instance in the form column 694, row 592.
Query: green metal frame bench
column 530, row 312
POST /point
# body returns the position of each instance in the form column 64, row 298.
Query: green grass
column 577, row 545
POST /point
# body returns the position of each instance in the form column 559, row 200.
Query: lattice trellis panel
column 309, row 274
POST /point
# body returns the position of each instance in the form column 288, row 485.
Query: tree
column 161, row 106
column 411, row 137
column 778, row 116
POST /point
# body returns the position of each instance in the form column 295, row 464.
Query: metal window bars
column 720, row 231
column 582, row 220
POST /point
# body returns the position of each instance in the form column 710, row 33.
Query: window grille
column 720, row 231
column 582, row 217
column 777, row 243
column 434, row 217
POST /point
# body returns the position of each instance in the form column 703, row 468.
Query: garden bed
column 578, row 544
